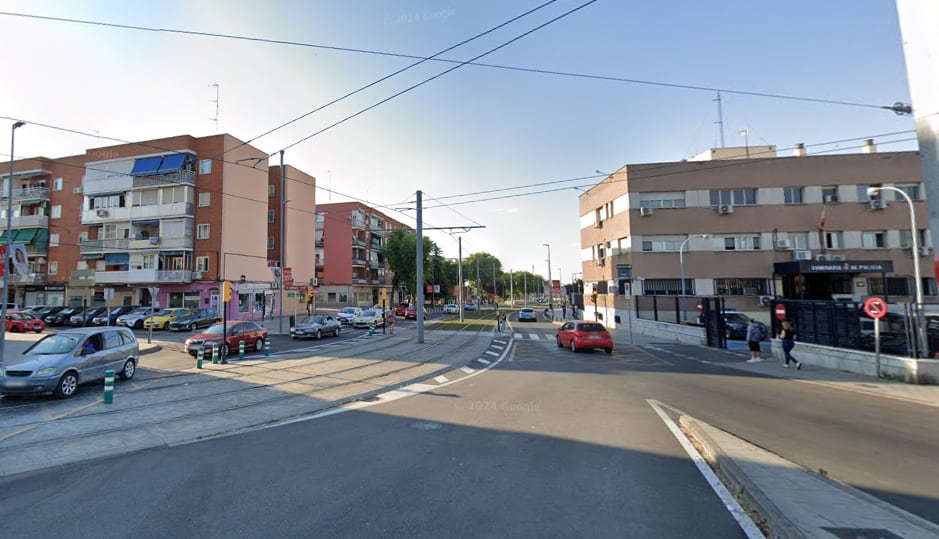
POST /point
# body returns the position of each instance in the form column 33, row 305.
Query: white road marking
column 491, row 353
column 441, row 379
column 484, row 361
column 467, row 370
column 752, row 531
column 534, row 336
column 497, row 347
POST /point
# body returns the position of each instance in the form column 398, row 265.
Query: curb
column 151, row 350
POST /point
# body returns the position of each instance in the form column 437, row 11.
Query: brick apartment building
column 178, row 214
column 799, row 227
column 350, row 262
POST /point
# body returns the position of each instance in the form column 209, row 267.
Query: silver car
column 59, row 362
column 316, row 326
column 135, row 318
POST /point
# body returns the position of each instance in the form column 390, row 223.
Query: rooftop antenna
column 330, row 191
column 215, row 119
column 720, row 117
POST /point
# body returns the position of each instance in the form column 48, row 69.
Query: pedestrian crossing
column 543, row 337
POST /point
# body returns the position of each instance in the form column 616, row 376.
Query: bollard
column 215, row 353
column 241, row 349
column 199, row 355
column 267, row 348
column 108, row 386
column 371, row 328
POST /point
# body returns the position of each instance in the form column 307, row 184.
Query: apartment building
column 748, row 225
column 350, row 262
column 165, row 221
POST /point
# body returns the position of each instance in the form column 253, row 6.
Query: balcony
column 182, row 177
column 618, row 251
column 143, row 276
column 31, row 221
column 123, row 244
column 135, row 213
column 358, row 262
column 358, row 223
column 319, row 243
column 357, row 242
column 378, row 281
column 358, row 280
column 98, row 246
column 28, row 193
column 29, row 278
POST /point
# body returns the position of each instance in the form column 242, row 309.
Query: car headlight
column 48, row 371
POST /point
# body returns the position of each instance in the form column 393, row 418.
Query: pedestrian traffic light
column 593, row 297
column 226, row 291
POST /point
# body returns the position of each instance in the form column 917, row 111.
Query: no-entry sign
column 875, row 307
column 780, row 312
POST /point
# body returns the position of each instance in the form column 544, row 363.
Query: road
column 548, row 443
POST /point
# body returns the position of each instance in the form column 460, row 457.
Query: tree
column 401, row 254
column 484, row 280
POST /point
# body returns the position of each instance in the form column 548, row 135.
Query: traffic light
column 226, row 291
column 593, row 297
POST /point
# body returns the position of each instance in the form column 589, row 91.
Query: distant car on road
column 316, row 326
column 346, row 314
column 527, row 314
column 401, row 309
column 367, row 318
column 470, row 306
column 411, row 313
column 196, row 318
column 584, row 335
column 161, row 318
column 451, row 308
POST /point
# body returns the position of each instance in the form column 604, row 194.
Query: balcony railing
column 123, row 244
column 358, row 262
column 185, row 177
column 28, row 193
column 150, row 211
column 29, row 278
column 31, row 221
column 143, row 276
column 357, row 242
column 617, row 251
column 357, row 280
column 357, row 223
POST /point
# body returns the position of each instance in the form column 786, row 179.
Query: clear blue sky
column 477, row 128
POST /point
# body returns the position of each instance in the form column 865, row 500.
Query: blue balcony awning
column 146, row 165
column 117, row 258
column 172, row 163
column 145, row 222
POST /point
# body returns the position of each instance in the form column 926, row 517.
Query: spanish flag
column 821, row 219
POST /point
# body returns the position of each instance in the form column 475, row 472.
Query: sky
column 481, row 143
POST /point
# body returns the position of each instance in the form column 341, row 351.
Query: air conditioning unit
column 197, row 275
column 765, row 300
column 837, row 258
column 877, row 204
column 102, row 213
column 822, row 258
column 830, row 198
column 77, row 190
column 783, row 244
column 802, row 255
column 646, row 211
column 601, row 261
column 725, row 209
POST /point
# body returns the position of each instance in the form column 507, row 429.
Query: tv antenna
column 215, row 119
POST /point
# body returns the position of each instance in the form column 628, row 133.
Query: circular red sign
column 780, row 312
column 875, row 307
column 700, row 307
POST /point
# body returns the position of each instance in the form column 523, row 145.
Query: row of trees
column 482, row 272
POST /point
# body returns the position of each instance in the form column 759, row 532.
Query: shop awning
column 25, row 235
column 146, row 165
column 172, row 163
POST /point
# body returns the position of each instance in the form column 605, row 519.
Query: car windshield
column 526, row 311
column 348, row 310
column 215, row 330
column 142, row 310
column 737, row 317
column 368, row 312
column 59, row 343
column 590, row 327
column 315, row 319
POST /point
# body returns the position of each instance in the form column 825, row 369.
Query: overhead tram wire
column 445, row 60
column 442, row 73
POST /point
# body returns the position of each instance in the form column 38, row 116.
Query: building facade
column 753, row 226
column 350, row 264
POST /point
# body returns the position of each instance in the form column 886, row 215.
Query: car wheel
column 319, row 334
column 259, row 345
column 38, row 329
column 130, row 368
column 14, row 329
column 609, row 351
column 67, row 385
column 559, row 342
column 573, row 346
column 192, row 326
column 338, row 330
column 138, row 324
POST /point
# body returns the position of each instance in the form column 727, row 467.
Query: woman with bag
column 788, row 337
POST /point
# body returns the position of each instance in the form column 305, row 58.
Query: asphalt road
column 548, row 443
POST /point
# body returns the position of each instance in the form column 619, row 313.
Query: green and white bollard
column 371, row 328
column 241, row 349
column 199, row 356
column 267, row 348
column 215, row 353
column 108, row 386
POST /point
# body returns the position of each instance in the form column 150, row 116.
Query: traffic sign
column 316, row 291
column 700, row 307
column 875, row 307
column 288, row 276
column 780, row 312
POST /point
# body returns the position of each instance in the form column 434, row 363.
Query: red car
column 401, row 309
column 251, row 333
column 411, row 313
column 585, row 336
column 20, row 322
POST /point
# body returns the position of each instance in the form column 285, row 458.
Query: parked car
column 367, row 318
column 735, row 325
column 346, row 314
column 159, row 319
column 401, row 309
column 22, row 322
column 35, row 309
column 43, row 313
column 580, row 335
column 107, row 318
column 84, row 317
column 60, row 361
column 451, row 308
column 196, row 318
column 527, row 313
column 135, row 318
column 470, row 306
column 228, row 338
column 411, row 313
column 61, row 317
column 316, row 326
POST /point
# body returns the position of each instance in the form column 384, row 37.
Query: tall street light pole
column 462, row 300
column 914, row 232
column 681, row 258
column 550, row 282
column 283, row 202
column 9, row 243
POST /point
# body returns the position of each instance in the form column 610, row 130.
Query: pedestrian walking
column 502, row 322
column 573, row 312
column 564, row 311
column 788, row 337
column 309, row 308
column 754, row 336
column 390, row 318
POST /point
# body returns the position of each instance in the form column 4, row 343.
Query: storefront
column 834, row 279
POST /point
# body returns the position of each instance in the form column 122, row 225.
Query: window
column 735, row 197
column 271, row 190
column 149, row 261
column 906, row 239
column 205, row 198
column 320, row 218
column 83, row 236
column 202, row 263
column 670, row 287
column 149, row 197
column 830, row 194
column 270, row 242
column 57, row 184
column 912, row 190
column 56, row 212
column 53, row 268
column 862, row 193
column 895, row 286
column 270, row 216
column 799, row 240
column 110, row 201
column 54, row 240
column 173, row 229
column 750, row 242
column 658, row 245
column 874, row 240
column 833, row 240
column 205, row 166
column 662, row 200
column 202, row 231
column 741, row 287
column 243, row 302
column 793, row 195
column 172, row 195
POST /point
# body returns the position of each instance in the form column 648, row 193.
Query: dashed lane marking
column 491, row 353
column 467, row 370
column 441, row 379
column 484, row 361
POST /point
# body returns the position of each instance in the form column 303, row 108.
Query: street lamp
column 681, row 258
column 9, row 243
column 874, row 191
column 550, row 282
